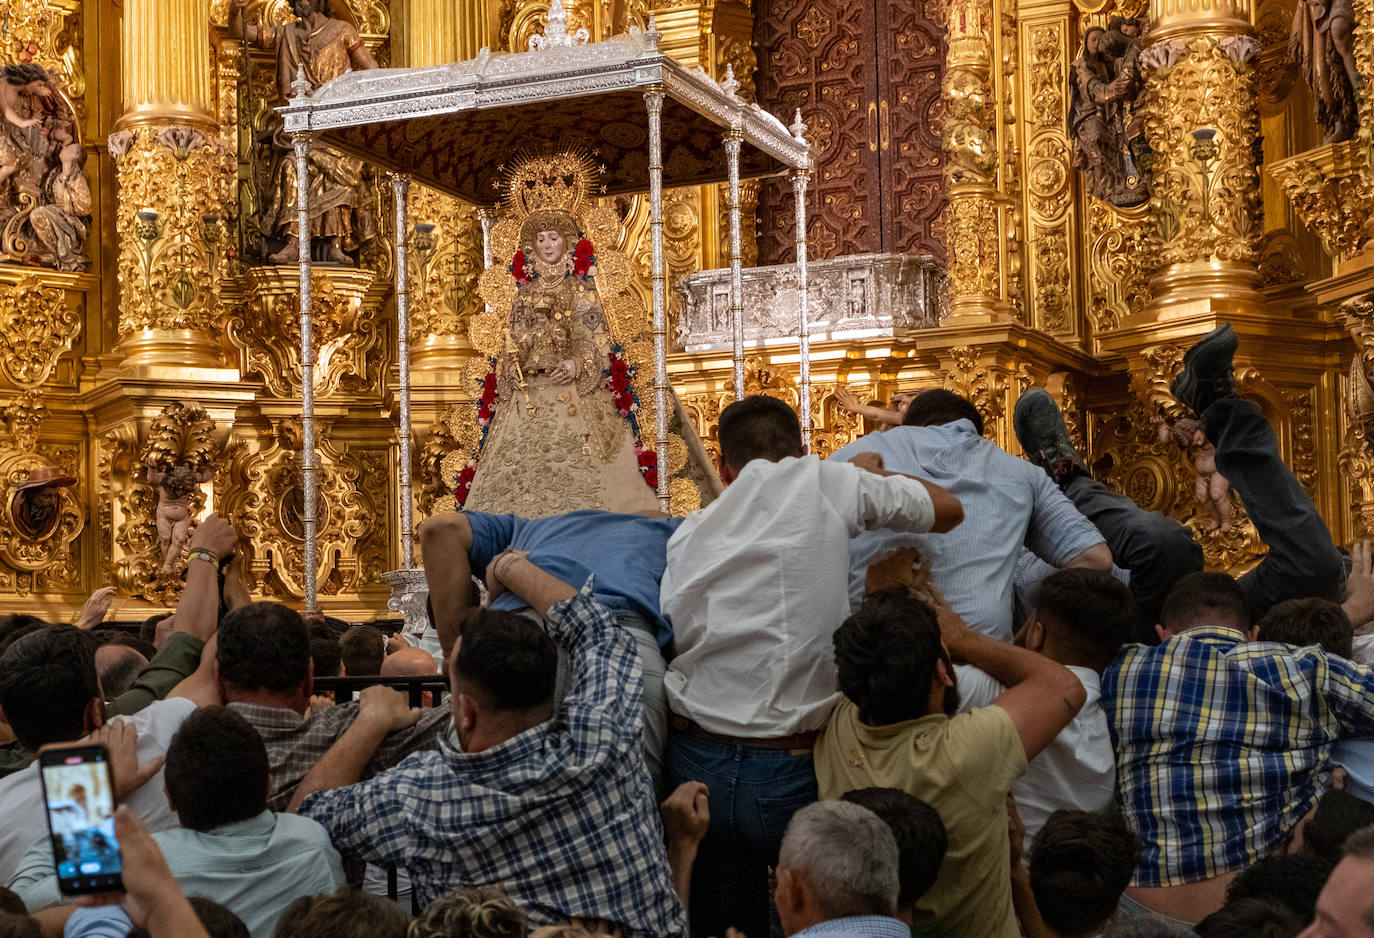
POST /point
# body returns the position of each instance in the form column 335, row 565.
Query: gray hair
column 847, row 854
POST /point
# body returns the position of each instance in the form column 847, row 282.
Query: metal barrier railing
column 345, row 687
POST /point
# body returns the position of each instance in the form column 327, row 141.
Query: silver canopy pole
column 800, row 178
column 400, row 187
column 653, row 99
column 734, row 142
column 309, row 459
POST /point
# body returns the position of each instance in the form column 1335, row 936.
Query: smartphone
column 78, row 791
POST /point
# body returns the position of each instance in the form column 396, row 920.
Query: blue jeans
column 754, row 793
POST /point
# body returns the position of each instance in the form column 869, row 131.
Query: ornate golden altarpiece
column 176, row 346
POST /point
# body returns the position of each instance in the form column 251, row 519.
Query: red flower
column 519, row 268
column 465, row 482
column 584, row 256
column 651, row 477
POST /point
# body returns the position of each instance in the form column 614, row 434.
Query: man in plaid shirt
column 554, row 805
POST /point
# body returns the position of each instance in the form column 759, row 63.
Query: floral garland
column 521, row 268
column 619, row 382
column 584, row 259
column 583, row 263
column 486, row 410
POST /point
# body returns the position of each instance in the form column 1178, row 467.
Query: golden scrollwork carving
column 37, row 326
column 738, row 53
column 173, row 185
column 21, row 418
column 986, row 384
column 1048, row 180
column 445, row 262
column 971, row 235
column 266, row 330
column 182, row 437
column 1201, row 125
column 1356, row 455
column 41, row 559
column 1118, row 256
column 262, row 495
column 1331, row 188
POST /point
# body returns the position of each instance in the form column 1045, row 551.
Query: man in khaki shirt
column 896, row 728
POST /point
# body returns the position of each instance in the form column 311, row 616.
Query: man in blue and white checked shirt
column 552, row 805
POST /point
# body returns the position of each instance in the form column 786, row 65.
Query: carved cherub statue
column 1212, row 490
column 175, row 487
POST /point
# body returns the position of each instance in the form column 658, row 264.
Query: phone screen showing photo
column 79, row 792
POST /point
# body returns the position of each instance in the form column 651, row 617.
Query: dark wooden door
column 819, row 55
column 910, row 59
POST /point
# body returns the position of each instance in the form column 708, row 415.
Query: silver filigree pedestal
column 409, row 594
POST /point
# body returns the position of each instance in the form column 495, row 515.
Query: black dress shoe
column 1207, row 375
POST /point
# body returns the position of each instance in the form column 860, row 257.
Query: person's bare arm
column 1097, row 557
column 198, row 612
column 686, row 815
column 1022, row 896
column 949, row 511
column 1041, row 698
column 446, row 544
column 381, row 710
column 513, row 571
column 200, row 686
column 847, row 401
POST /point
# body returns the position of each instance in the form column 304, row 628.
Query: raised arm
column 1041, row 698
column 446, row 542
column 380, row 711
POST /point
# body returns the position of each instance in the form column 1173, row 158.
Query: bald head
column 118, row 666
column 409, row 662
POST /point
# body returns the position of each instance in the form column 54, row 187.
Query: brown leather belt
column 797, row 741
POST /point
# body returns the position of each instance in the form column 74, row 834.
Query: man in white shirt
column 755, row 587
column 1081, row 619
column 51, row 694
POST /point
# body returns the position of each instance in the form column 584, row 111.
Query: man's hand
column 1359, row 587
column 97, row 604
column 216, row 535
column 899, row 568
column 151, row 895
column 869, row 462
column 385, row 709
column 495, row 585
column 121, row 739
column 1016, row 833
column 845, row 400
column 395, row 642
column 953, row 629
column 686, row 815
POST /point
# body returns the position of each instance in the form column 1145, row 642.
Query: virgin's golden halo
column 560, row 182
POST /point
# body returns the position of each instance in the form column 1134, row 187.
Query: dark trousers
column 1301, row 561
column 753, row 794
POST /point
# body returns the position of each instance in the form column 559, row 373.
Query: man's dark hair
column 920, row 835
column 1294, row 880
column 324, row 6
column 46, row 680
column 14, row 925
column 1080, row 864
column 885, row 655
column 1205, row 599
column 1339, row 814
column 216, row 919
column 346, row 914
column 327, row 656
column 1091, row 610
column 263, row 645
column 758, row 427
column 216, row 770
column 1250, row 918
column 1309, row 621
column 509, row 661
column 362, row 649
column 11, row 903
column 16, row 625
column 147, row 629
column 1147, row 928
column 936, row 406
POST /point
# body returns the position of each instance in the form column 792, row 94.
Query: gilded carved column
column 976, row 222
column 1202, row 124
column 434, row 32
column 174, row 181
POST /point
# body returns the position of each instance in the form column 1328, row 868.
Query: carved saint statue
column 175, row 487
column 36, row 503
column 1322, row 43
column 1105, row 123
column 45, row 200
column 1210, row 487
column 340, row 221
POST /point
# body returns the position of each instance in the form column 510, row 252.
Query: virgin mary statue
column 561, row 424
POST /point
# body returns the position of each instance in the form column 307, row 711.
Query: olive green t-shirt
column 962, row 767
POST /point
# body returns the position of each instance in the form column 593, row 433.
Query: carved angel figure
column 175, row 487
column 1104, row 125
column 558, row 408
column 1212, row 490
column 339, row 218
column 45, row 200
column 1322, row 43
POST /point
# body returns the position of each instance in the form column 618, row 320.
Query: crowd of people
column 924, row 687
